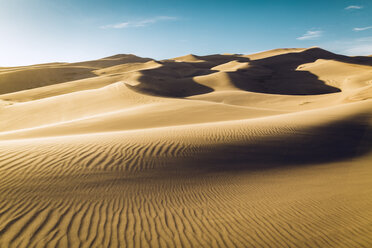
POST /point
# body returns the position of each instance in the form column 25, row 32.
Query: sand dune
column 265, row 150
column 23, row 78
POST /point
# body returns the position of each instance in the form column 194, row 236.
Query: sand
column 266, row 150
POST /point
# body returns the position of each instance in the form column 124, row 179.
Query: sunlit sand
column 265, row 150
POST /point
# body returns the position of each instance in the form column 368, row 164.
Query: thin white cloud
column 354, row 7
column 364, row 49
column 311, row 35
column 353, row 47
column 364, row 39
column 362, row 29
column 139, row 23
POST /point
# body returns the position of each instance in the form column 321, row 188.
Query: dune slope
column 265, row 150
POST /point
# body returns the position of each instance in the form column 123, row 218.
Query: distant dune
column 272, row 149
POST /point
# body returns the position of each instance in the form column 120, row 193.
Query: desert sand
column 272, row 149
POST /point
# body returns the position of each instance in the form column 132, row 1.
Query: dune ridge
column 265, row 150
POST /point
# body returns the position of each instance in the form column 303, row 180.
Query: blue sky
column 38, row 31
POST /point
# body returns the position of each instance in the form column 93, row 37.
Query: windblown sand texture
column 265, row 150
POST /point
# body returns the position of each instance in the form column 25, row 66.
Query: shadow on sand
column 341, row 140
column 272, row 75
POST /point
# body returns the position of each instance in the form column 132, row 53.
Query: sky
column 41, row 31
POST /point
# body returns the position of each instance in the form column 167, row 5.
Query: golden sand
column 264, row 150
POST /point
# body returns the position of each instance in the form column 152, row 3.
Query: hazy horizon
column 40, row 31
